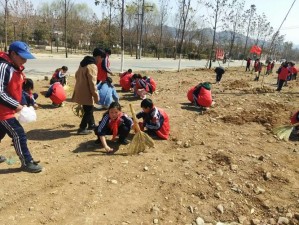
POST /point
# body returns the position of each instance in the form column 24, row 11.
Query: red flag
column 256, row 49
column 219, row 53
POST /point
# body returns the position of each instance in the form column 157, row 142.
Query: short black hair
column 108, row 51
column 98, row 52
column 130, row 70
column 147, row 103
column 64, row 68
column 28, row 84
column 115, row 105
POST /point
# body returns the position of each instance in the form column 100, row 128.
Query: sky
column 275, row 11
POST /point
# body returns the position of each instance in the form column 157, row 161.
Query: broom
column 140, row 139
column 284, row 132
column 78, row 110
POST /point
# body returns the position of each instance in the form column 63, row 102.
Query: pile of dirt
column 238, row 84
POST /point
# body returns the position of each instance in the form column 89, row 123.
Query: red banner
column 256, row 49
column 219, row 53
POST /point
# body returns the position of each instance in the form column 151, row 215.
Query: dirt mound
column 268, row 115
column 237, row 84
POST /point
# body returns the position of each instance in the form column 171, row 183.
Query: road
column 45, row 64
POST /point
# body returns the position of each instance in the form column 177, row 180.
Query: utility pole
column 141, row 29
column 5, row 23
column 65, row 26
column 137, row 39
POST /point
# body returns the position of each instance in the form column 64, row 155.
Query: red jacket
column 125, row 81
column 295, row 118
column 11, row 81
column 58, row 93
column 284, row 73
column 204, row 97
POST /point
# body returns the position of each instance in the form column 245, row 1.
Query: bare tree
column 185, row 8
column 232, row 21
column 164, row 12
column 217, row 6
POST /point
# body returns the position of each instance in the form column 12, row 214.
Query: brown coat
column 85, row 91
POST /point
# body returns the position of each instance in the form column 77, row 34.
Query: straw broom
column 284, row 132
column 78, row 110
column 140, row 139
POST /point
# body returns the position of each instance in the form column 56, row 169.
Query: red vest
column 125, row 81
column 13, row 89
column 284, row 73
column 163, row 132
column 204, row 97
column 102, row 74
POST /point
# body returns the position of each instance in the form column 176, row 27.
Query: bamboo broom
column 140, row 139
column 284, row 132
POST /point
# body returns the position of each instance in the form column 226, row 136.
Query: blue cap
column 22, row 49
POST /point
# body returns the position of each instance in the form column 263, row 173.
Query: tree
column 232, row 22
column 218, row 6
column 164, row 12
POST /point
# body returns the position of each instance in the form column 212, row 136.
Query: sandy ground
column 224, row 165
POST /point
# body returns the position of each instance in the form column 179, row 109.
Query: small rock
column 220, row 208
column 267, row 176
column 259, row 190
column 289, row 215
column 179, row 142
column 191, row 209
column 145, row 168
column 242, row 219
column 233, row 167
column 199, row 221
column 219, row 172
column 114, row 181
column 255, row 221
column 283, row 220
column 156, row 221
column 296, row 216
column 272, row 221
column 31, row 208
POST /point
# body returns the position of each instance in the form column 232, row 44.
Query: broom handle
column 134, row 118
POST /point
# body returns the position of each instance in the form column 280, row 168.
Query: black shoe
column 123, row 142
column 92, row 127
column 84, row 131
column 32, row 167
column 2, row 159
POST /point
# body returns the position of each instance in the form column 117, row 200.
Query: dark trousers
column 280, row 84
column 247, row 68
column 14, row 129
column 87, row 118
column 123, row 131
column 218, row 77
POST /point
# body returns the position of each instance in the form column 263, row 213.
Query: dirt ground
column 224, row 165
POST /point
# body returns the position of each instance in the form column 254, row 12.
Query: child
column 248, row 62
column 257, row 69
column 155, row 120
column 268, row 70
column 150, row 84
column 115, row 123
column 125, row 80
column 59, row 76
column 219, row 72
column 201, row 95
column 107, row 93
column 139, row 86
column 57, row 94
column 283, row 73
column 28, row 98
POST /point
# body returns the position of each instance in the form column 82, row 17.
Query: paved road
column 44, row 65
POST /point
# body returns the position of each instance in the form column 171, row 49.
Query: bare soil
column 221, row 165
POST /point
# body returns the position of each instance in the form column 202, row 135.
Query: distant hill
column 222, row 35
